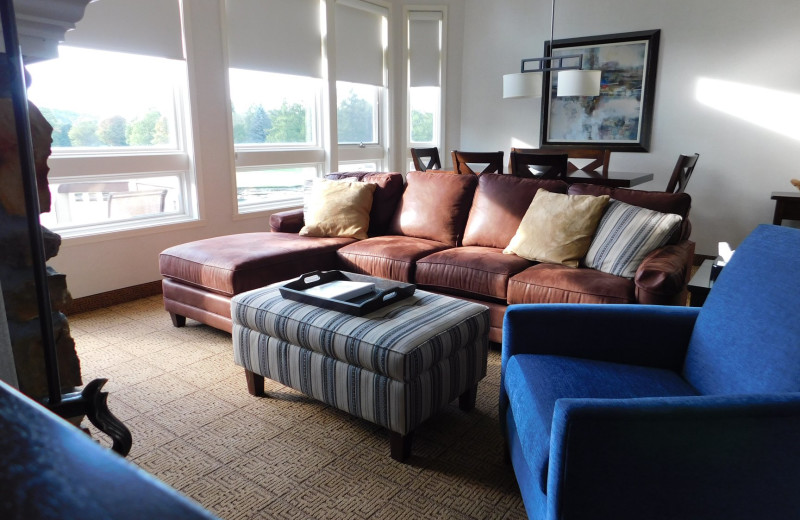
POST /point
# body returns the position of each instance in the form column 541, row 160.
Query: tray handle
column 386, row 294
column 310, row 278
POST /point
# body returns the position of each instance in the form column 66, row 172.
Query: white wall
column 750, row 44
column 106, row 262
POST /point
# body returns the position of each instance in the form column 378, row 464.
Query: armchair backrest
column 747, row 335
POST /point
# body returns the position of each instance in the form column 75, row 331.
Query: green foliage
column 354, row 120
column 257, row 124
column 421, row 127
column 61, row 121
column 84, row 133
column 288, row 124
column 112, row 131
column 152, row 129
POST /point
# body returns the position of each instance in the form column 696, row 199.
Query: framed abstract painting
column 620, row 118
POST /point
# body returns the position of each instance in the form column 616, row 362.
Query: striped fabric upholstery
column 395, row 367
column 626, row 235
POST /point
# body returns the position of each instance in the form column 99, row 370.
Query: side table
column 787, row 206
column 700, row 284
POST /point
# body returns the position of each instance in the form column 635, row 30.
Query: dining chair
column 426, row 159
column 682, row 172
column 598, row 158
column 135, row 203
column 462, row 161
column 538, row 165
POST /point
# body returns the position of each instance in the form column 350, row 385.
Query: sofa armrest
column 646, row 335
column 731, row 457
column 289, row 221
column 662, row 276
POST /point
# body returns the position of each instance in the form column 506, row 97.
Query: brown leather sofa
column 443, row 232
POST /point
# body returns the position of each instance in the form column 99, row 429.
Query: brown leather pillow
column 499, row 204
column 384, row 202
column 434, row 206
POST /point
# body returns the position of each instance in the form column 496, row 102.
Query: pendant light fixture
column 572, row 80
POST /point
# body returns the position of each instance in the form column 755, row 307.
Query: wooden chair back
column 463, row 160
column 545, row 165
column 682, row 172
column 598, row 158
column 426, row 159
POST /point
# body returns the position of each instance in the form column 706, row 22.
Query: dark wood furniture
column 426, row 159
column 700, row 284
column 682, row 172
column 787, row 206
column 599, row 158
column 545, row 166
column 614, row 179
column 462, row 161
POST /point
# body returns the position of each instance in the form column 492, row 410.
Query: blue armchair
column 654, row 412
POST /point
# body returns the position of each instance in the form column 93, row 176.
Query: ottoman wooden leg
column 177, row 319
column 466, row 401
column 400, row 445
column 255, row 383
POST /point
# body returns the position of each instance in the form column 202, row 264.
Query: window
column 425, row 71
column 357, row 113
column 275, row 99
column 115, row 97
column 118, row 125
column 361, row 109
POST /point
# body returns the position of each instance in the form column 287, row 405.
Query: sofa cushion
column 337, row 209
column 434, row 206
column 554, row 283
column 478, row 271
column 499, row 204
column 677, row 203
column 387, row 194
column 534, row 383
column 558, row 228
column 391, row 257
column 235, row 263
column 626, row 235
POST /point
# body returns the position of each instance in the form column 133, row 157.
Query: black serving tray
column 385, row 292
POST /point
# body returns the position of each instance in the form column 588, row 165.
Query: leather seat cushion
column 555, row 283
column 236, row 263
column 483, row 271
column 391, row 257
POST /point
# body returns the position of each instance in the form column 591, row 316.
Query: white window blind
column 359, row 42
column 149, row 27
column 280, row 36
column 424, row 49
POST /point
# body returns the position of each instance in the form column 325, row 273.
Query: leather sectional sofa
column 443, row 232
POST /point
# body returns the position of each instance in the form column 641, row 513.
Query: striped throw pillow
column 626, row 234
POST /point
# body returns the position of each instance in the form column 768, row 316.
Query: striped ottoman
column 394, row 367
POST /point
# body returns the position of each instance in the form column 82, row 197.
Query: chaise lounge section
column 444, row 232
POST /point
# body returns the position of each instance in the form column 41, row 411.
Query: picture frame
column 621, row 117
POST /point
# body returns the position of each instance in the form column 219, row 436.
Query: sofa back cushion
column 499, row 204
column 384, row 201
column 434, row 206
column 747, row 335
column 677, row 203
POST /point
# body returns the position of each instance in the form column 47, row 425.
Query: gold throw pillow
column 558, row 228
column 337, row 209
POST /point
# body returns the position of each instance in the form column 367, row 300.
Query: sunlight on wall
column 519, row 143
column 771, row 109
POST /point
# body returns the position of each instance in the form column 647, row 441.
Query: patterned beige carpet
column 195, row 427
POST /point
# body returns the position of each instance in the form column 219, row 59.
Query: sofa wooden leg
column 466, row 401
column 400, row 445
column 255, row 383
column 177, row 320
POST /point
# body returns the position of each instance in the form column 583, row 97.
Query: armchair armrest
column 289, row 221
column 662, row 276
column 731, row 457
column 647, row 335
